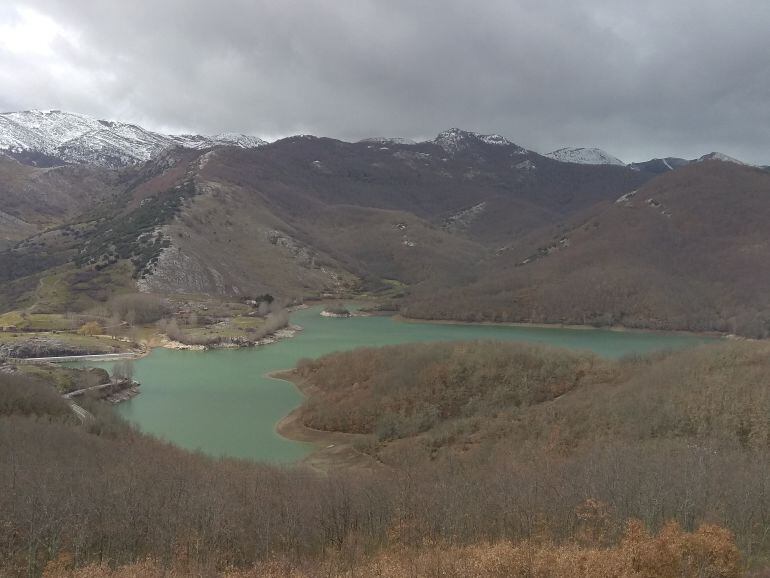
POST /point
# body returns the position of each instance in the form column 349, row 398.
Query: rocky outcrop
column 178, row 272
column 49, row 347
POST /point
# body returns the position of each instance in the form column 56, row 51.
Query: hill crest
column 51, row 137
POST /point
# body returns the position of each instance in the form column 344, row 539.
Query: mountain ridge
column 685, row 251
column 473, row 220
column 49, row 138
column 70, row 138
column 300, row 217
column 584, row 156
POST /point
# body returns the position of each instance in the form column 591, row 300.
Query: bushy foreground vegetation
column 681, row 435
column 558, row 476
column 536, row 395
column 399, row 391
column 710, row 551
column 23, row 395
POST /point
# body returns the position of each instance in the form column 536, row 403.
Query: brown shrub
column 91, row 328
column 709, row 552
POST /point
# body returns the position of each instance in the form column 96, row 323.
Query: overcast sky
column 636, row 78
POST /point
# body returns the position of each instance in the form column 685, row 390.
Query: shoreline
column 333, row 450
column 281, row 334
column 578, row 327
column 160, row 341
column 523, row 324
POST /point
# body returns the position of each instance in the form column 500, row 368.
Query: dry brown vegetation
column 403, row 390
column 63, row 379
column 301, row 217
column 551, row 475
column 707, row 552
column 45, row 196
column 232, row 333
column 307, row 217
column 680, row 435
column 23, row 395
column 91, row 328
column 686, row 251
column 137, row 308
column 538, row 395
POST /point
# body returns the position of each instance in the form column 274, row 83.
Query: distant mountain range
column 300, row 216
column 464, row 226
column 48, row 138
column 53, row 137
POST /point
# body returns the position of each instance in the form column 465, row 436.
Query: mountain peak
column 584, row 156
column 717, row 156
column 59, row 137
column 455, row 139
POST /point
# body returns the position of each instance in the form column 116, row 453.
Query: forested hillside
column 301, row 217
column 685, row 251
column 680, row 434
column 468, row 227
column 550, row 477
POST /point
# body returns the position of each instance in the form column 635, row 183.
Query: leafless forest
column 560, row 457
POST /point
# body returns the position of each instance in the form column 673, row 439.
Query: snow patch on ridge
column 717, row 156
column 584, row 156
column 455, row 140
column 625, row 199
column 77, row 138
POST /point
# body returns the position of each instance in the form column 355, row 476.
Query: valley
column 384, row 289
column 460, row 443
column 684, row 251
column 534, row 362
column 466, row 226
column 224, row 403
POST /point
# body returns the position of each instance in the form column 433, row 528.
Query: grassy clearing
column 70, row 289
column 24, row 321
column 66, row 288
column 128, row 317
column 64, row 379
column 231, row 328
column 196, row 320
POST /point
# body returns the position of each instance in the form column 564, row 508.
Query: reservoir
column 222, row 403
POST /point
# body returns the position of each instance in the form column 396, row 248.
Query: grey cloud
column 639, row 79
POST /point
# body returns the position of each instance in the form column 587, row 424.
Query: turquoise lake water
column 222, row 403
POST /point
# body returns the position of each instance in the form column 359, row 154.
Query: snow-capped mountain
column 664, row 165
column 196, row 141
column 56, row 137
column 717, row 156
column 584, row 156
column 455, row 140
